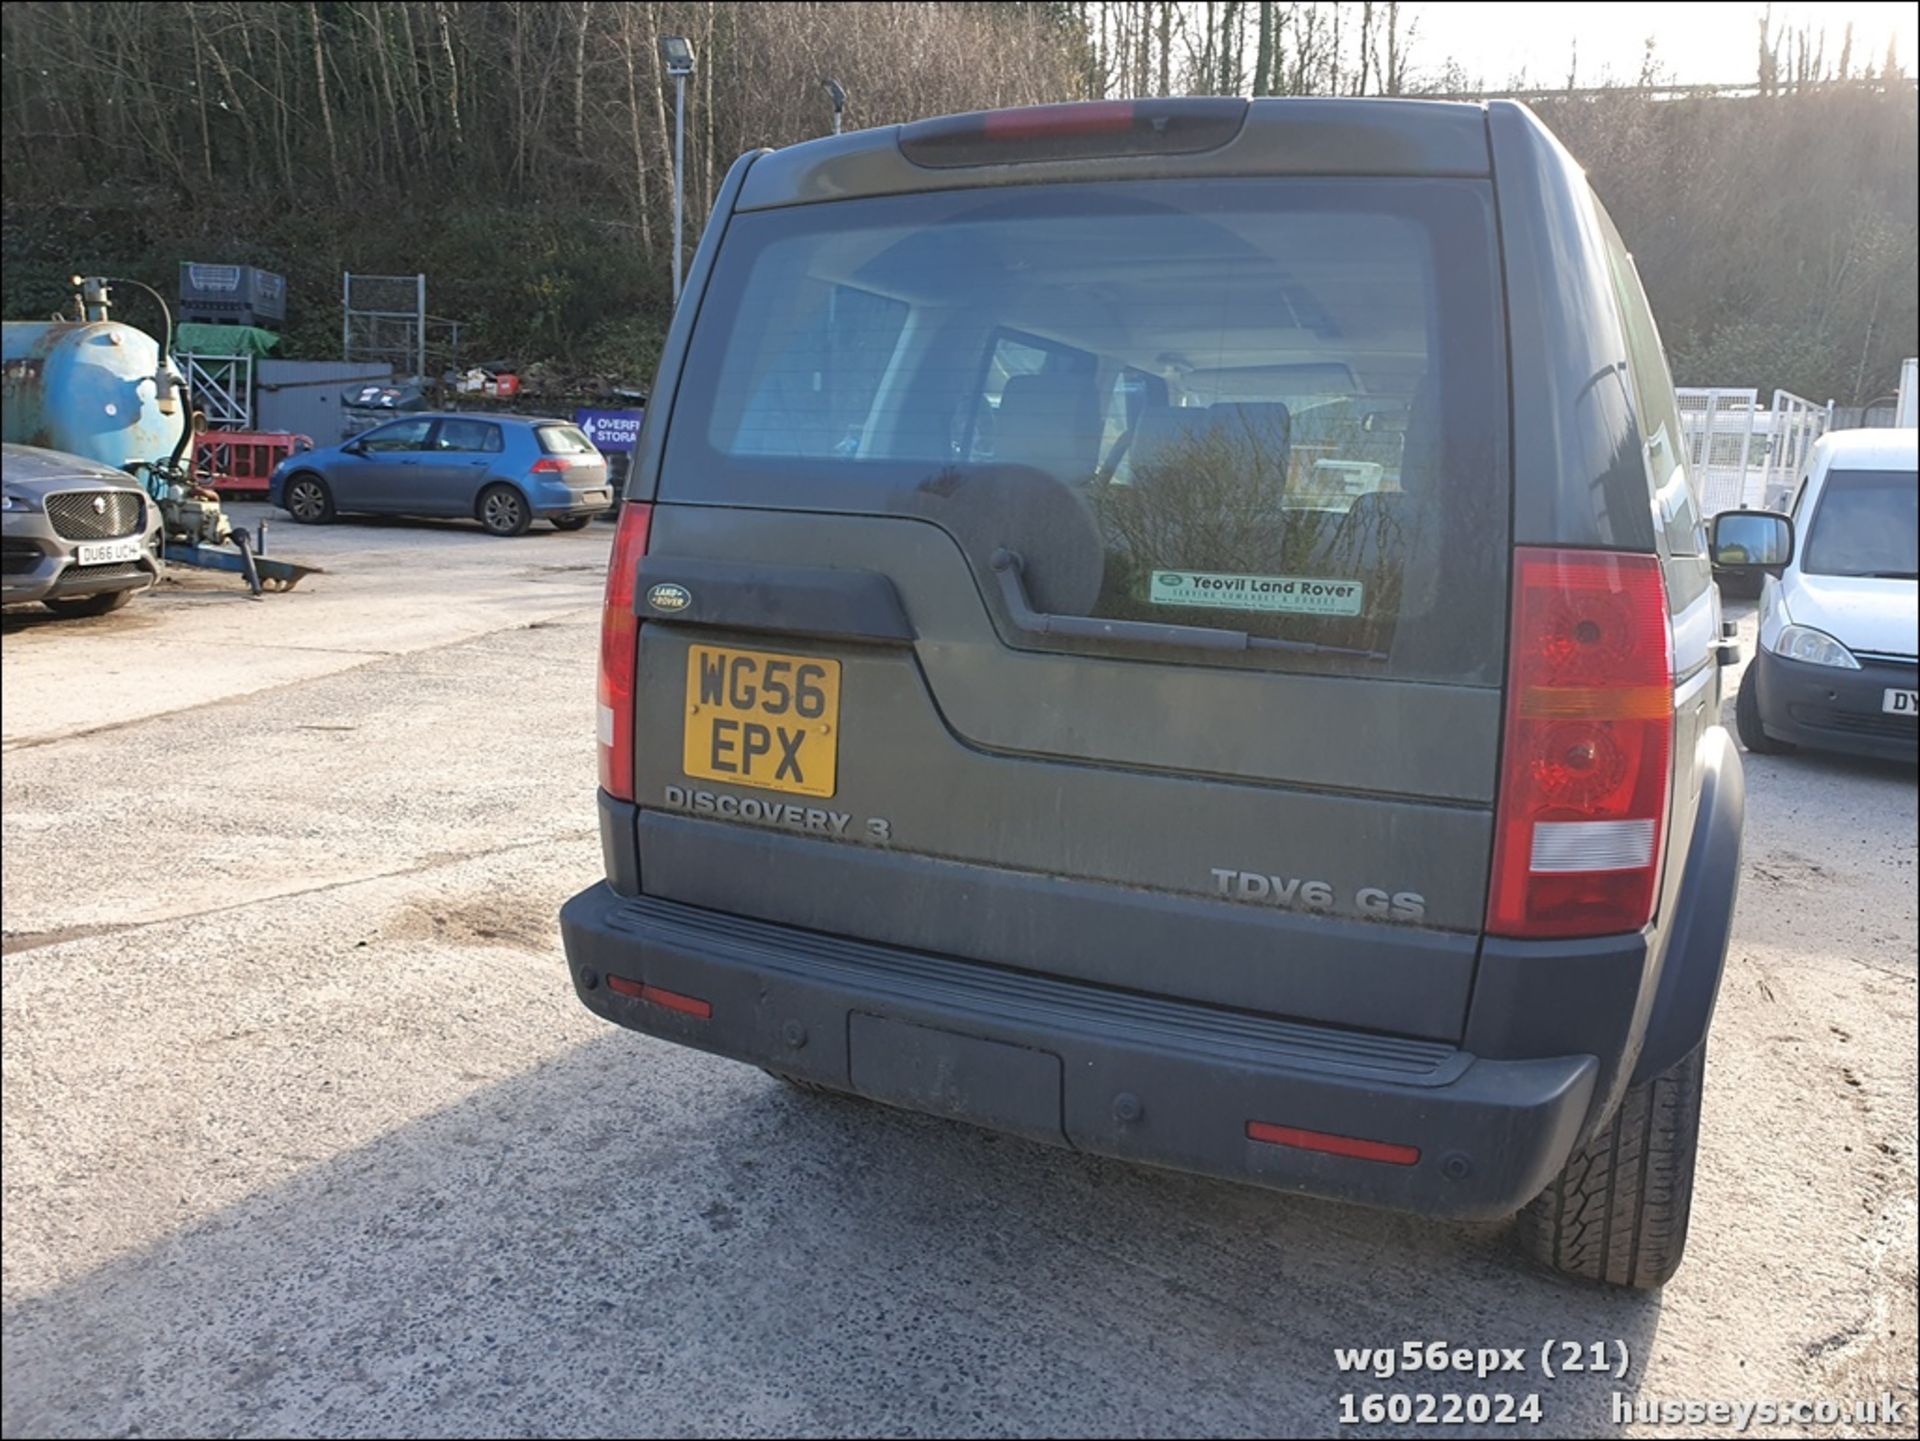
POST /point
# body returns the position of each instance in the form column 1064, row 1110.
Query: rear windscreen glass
column 1275, row 406
column 1867, row 524
column 563, row 440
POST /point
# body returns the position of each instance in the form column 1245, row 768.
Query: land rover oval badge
column 669, row 597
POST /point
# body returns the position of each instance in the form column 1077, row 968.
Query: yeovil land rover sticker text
column 1295, row 594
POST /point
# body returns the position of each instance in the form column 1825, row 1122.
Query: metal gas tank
column 87, row 387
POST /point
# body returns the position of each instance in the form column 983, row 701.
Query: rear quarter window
column 1271, row 406
column 1676, row 513
column 468, row 435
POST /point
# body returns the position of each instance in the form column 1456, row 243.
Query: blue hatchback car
column 505, row 471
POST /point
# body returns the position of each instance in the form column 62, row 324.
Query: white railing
column 1797, row 424
column 1740, row 455
column 1717, row 430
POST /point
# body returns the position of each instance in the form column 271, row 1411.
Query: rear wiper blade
column 1890, row 575
column 1007, row 566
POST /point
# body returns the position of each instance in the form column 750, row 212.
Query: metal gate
column 1797, row 424
column 1717, row 429
column 1741, row 456
column 222, row 387
column 384, row 321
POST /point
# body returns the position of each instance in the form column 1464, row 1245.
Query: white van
column 1840, row 610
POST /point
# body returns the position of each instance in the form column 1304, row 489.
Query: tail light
column 619, row 651
column 551, row 465
column 1588, row 748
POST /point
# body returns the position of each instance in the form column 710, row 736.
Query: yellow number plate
column 759, row 719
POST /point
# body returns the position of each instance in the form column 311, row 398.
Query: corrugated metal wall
column 303, row 396
column 1865, row 417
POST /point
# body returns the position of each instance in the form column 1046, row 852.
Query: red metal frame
column 238, row 462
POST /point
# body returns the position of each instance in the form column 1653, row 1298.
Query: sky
column 1699, row 43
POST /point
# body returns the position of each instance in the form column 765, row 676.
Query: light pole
column 678, row 55
column 839, row 101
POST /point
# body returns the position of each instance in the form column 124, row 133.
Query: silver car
column 79, row 537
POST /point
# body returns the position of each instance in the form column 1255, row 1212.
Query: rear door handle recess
column 811, row 601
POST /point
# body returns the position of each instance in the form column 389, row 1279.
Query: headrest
column 1050, row 422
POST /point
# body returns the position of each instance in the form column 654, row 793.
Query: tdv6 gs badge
column 1292, row 892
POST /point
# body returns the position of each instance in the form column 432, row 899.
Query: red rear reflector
column 1333, row 1145
column 1588, row 747
column 655, row 996
column 619, row 647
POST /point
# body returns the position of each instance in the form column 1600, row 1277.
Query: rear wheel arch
column 1688, row 984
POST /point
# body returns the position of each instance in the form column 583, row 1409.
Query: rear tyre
column 103, row 604
column 571, row 522
column 1618, row 1212
column 1746, row 720
column 308, row 500
column 503, row 511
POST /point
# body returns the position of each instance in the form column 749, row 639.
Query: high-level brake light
column 1083, row 130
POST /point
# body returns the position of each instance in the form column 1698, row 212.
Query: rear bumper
column 1826, row 708
column 1164, row 1082
column 550, row 500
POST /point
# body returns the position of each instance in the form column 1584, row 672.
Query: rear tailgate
column 1101, row 579
column 566, row 451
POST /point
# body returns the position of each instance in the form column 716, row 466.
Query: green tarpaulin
column 223, row 340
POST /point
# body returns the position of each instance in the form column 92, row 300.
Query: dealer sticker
column 1295, row 594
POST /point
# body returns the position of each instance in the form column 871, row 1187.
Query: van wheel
column 1746, row 720
column 308, row 500
column 1618, row 1212
column 102, row 604
column 503, row 510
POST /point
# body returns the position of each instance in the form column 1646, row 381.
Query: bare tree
column 1263, row 56
column 326, row 106
column 582, row 21
column 453, row 73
